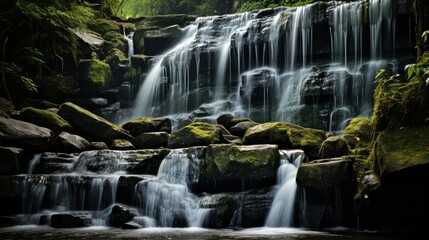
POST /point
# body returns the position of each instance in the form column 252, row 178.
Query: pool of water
column 45, row 232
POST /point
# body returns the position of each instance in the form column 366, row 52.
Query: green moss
column 195, row 134
column 323, row 174
column 95, row 76
column 102, row 26
column 91, row 126
column 45, row 118
column 399, row 149
column 334, row 147
column 144, row 124
column 398, row 104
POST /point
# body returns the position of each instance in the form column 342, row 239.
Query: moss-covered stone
column 334, row 147
column 145, row 124
column 360, row 128
column 230, row 167
column 195, row 134
column 122, row 144
column 286, row 136
column 45, row 119
column 397, row 150
column 102, row 26
column 398, row 103
column 91, row 126
column 325, row 173
column 95, row 76
column 115, row 40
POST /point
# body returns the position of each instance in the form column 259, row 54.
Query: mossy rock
column 286, row 136
column 115, row 40
column 325, row 173
column 91, row 126
column 122, row 144
column 399, row 150
column 334, row 147
column 95, row 76
column 102, row 26
column 195, row 134
column 45, row 118
column 230, row 167
column 151, row 140
column 359, row 128
column 398, row 104
column 142, row 125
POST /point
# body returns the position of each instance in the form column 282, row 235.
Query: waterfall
column 282, row 210
column 167, row 198
column 129, row 38
column 220, row 58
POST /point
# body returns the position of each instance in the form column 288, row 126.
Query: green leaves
column 425, row 36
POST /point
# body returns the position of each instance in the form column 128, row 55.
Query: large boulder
column 122, row 144
column 230, row 167
column 256, row 207
column 401, row 150
column 144, row 124
column 195, row 134
column 66, row 142
column 359, row 128
column 91, row 126
column 240, row 129
column 286, row 136
column 89, row 41
column 115, row 40
column 120, row 215
column 10, row 160
column 45, row 118
column 126, row 187
column 23, row 134
column 328, row 189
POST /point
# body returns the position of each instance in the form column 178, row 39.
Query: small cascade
column 89, row 187
column 129, row 38
column 167, row 198
column 282, row 210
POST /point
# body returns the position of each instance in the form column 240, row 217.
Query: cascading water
column 282, row 210
column 167, row 199
column 217, row 56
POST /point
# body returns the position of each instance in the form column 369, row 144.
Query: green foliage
column 35, row 37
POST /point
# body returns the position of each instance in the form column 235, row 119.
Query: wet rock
column 325, row 173
column 228, row 120
column 122, row 144
column 195, row 134
column 98, row 146
column 157, row 42
column 227, row 167
column 70, row 220
column 120, row 215
column 23, row 134
column 66, row 142
column 151, row 140
column 334, row 147
column 222, row 207
column 143, row 125
column 51, row 162
column 10, row 195
column 45, row 118
column 126, row 187
column 255, row 207
column 91, row 126
column 240, row 129
column 94, row 103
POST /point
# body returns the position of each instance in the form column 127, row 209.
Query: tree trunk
column 421, row 9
